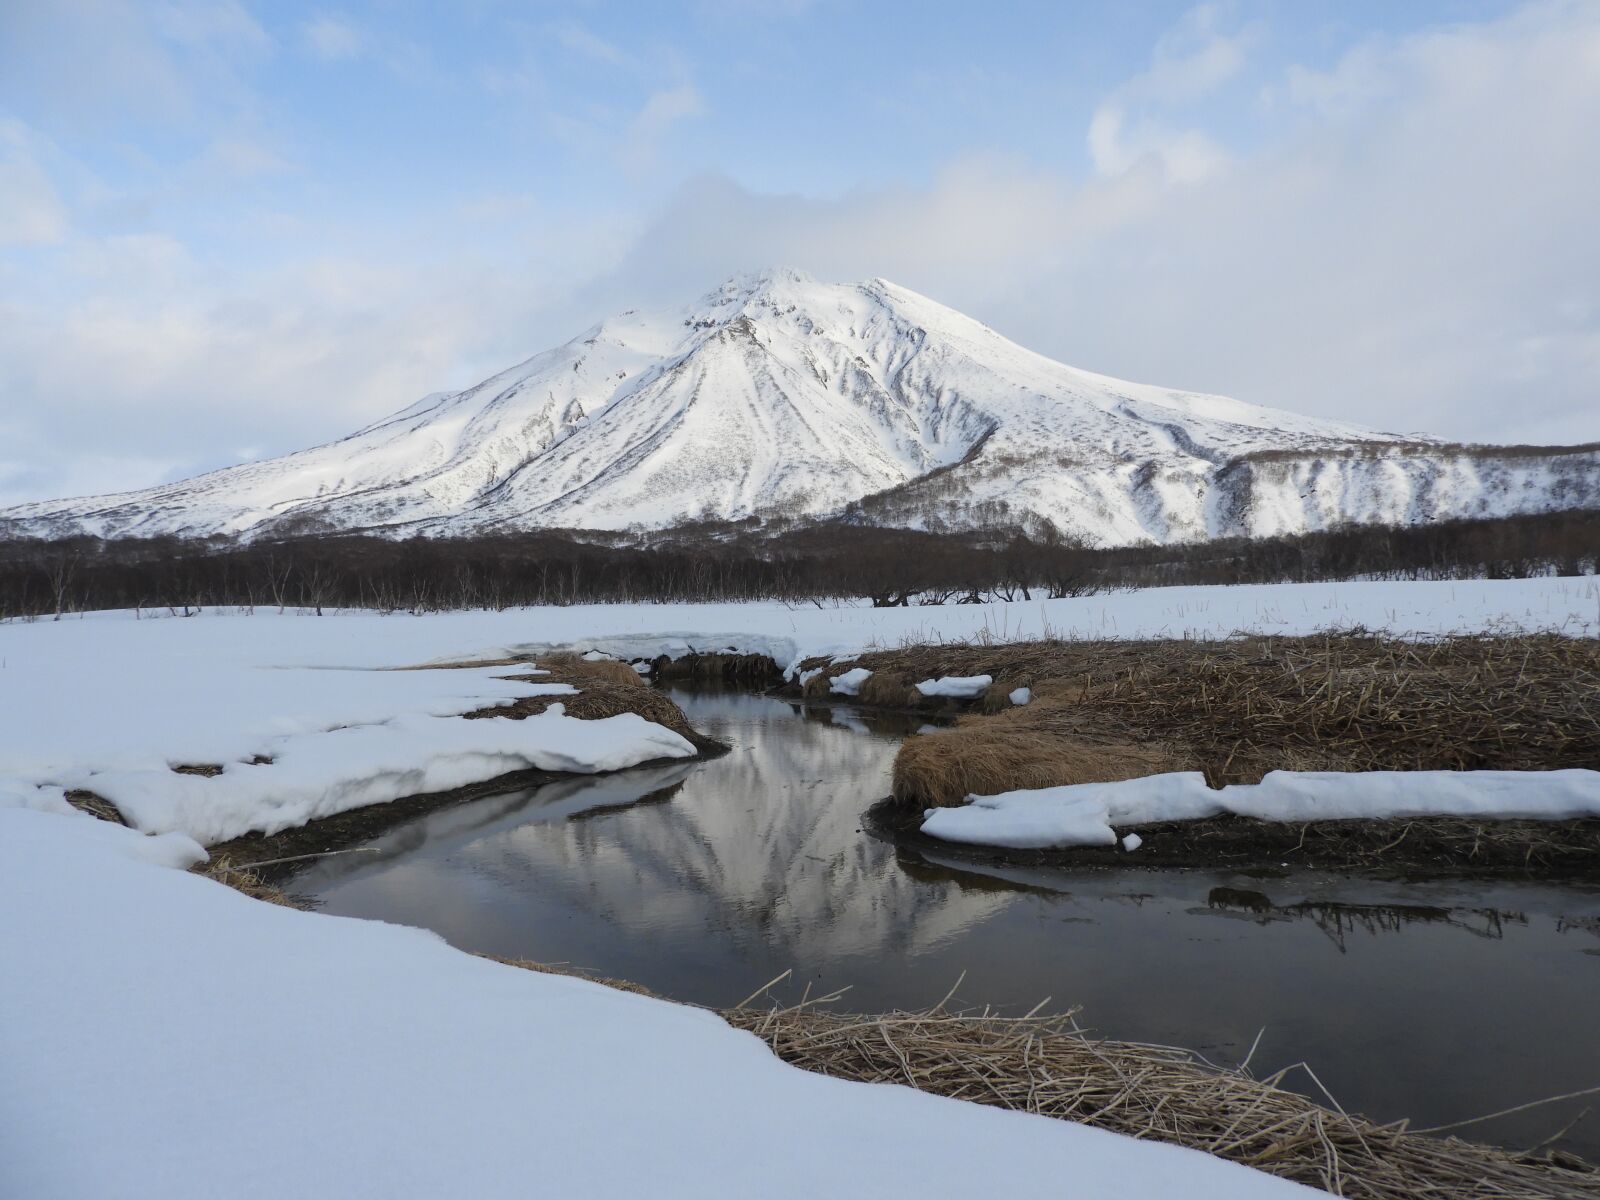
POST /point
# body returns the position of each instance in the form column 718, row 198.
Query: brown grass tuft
column 242, row 879
column 1045, row 1065
column 598, row 699
column 890, row 689
column 1240, row 707
column 982, row 757
column 819, row 686
column 573, row 669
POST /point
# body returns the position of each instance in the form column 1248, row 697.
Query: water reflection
column 1433, row 1001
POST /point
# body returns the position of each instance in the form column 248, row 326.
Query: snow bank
column 1021, row 696
column 312, row 777
column 162, row 1033
column 957, row 687
column 1084, row 814
column 849, row 684
column 302, row 725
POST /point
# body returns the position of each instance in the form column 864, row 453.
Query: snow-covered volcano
column 777, row 394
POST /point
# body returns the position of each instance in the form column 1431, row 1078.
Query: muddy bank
column 1413, row 848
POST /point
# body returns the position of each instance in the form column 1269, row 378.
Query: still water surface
column 1433, row 1001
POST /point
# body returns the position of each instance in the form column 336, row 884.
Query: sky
column 234, row 229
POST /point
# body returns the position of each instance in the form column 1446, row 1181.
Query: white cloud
column 31, row 212
column 650, row 126
column 1417, row 249
column 575, row 38
column 332, row 39
column 1428, row 260
column 1191, row 61
column 112, row 61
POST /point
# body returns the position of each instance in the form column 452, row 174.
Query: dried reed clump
column 889, row 689
column 997, row 696
column 1478, row 703
column 95, row 805
column 1045, row 1065
column 1241, row 707
column 820, row 685
column 985, row 758
column 570, row 668
column 244, row 879
column 597, row 699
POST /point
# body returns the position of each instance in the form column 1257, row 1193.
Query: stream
column 1434, row 1001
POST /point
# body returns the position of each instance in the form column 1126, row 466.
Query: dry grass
column 573, row 669
column 606, row 688
column 599, row 699
column 889, row 689
column 1241, row 707
column 1044, row 1065
column 95, row 805
column 978, row 757
column 242, row 879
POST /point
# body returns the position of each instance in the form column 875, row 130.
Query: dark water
column 1436, row 1001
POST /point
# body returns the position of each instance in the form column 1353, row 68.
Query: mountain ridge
column 775, row 395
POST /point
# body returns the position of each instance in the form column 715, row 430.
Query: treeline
column 810, row 564
column 1562, row 543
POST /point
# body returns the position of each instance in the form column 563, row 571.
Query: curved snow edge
column 1084, row 814
column 323, row 774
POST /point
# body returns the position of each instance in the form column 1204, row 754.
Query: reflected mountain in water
column 762, row 847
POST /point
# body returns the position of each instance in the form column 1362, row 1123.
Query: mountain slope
column 779, row 395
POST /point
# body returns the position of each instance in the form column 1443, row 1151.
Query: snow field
column 162, row 1036
column 115, row 700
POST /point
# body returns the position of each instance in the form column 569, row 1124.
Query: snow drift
column 1083, row 814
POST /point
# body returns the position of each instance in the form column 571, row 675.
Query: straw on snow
column 1044, row 1064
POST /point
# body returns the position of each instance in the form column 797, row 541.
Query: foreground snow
column 112, row 702
column 163, row 1036
column 1084, row 814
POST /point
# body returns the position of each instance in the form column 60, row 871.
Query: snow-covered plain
column 161, row 1035
column 1083, row 814
column 164, row 1036
column 112, row 701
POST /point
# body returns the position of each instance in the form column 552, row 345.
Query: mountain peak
column 779, row 395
